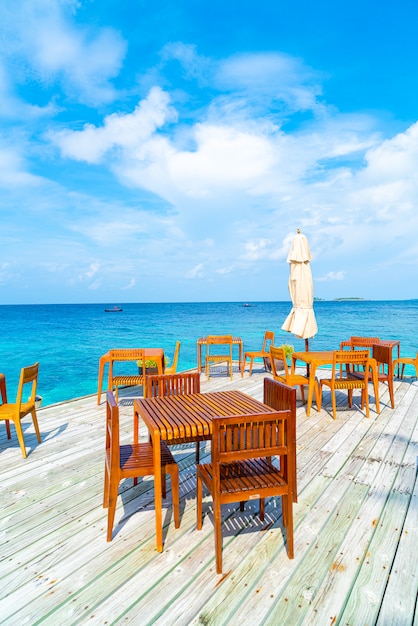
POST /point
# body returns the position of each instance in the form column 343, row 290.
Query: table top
column 322, row 356
column 234, row 340
column 130, row 352
column 191, row 415
column 384, row 342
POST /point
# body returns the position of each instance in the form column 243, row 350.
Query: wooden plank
column 401, row 593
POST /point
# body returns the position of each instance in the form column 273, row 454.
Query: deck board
column 356, row 535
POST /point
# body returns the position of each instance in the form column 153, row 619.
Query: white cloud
column 13, row 170
column 277, row 76
column 45, row 35
column 130, row 132
column 130, row 285
column 195, row 272
column 331, row 276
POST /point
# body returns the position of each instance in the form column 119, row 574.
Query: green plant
column 288, row 349
column 150, row 363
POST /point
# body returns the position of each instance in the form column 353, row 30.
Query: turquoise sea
column 68, row 340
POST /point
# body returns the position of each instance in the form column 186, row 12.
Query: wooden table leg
column 240, row 355
column 199, row 357
column 311, row 388
column 100, row 379
column 158, row 498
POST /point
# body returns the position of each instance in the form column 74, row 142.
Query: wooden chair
column 343, row 377
column 177, row 385
column 242, row 468
column 279, row 363
column 359, row 342
column 131, row 461
column 172, row 369
column 126, row 380
column 225, row 356
column 383, row 371
column 264, row 353
column 406, row 360
column 15, row 412
column 281, row 397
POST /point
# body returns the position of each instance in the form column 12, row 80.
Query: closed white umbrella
column 301, row 319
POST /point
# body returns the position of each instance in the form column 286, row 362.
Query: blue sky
column 169, row 150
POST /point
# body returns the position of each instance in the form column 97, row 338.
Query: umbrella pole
column 307, row 350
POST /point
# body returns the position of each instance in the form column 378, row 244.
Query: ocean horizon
column 68, row 339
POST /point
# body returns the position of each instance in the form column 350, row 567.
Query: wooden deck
column 356, row 537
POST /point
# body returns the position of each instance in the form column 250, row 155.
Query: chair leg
column 287, row 506
column 243, row 366
column 174, row 474
column 113, row 496
column 302, row 393
column 334, row 404
column 163, row 483
column 198, row 502
column 367, row 403
column 35, row 423
column 218, row 536
column 20, row 438
column 106, row 488
column 319, row 397
column 9, row 434
column 262, row 508
column 391, row 394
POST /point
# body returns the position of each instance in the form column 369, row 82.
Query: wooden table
column 392, row 343
column 326, row 357
column 172, row 417
column 203, row 342
column 106, row 359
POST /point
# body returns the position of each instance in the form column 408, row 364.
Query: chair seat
column 293, row 380
column 140, row 457
column 246, row 476
column 127, row 380
column 355, row 382
column 406, row 360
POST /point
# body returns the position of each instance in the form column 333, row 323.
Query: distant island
column 339, row 299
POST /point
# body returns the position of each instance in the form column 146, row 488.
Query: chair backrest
column 278, row 357
column 112, row 430
column 133, row 354
column 279, row 396
column 129, row 354
column 350, row 358
column 28, row 376
column 243, row 437
column 219, row 340
column 363, row 342
column 173, row 384
column 172, row 369
column 268, row 340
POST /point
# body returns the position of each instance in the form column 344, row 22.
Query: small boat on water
column 115, row 309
